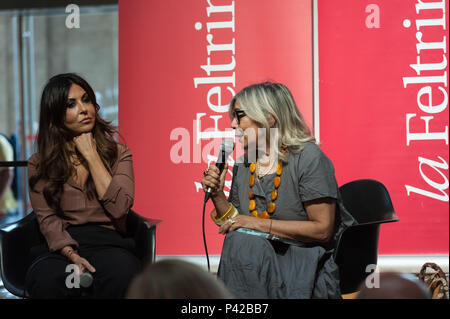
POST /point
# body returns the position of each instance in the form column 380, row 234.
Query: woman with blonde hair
column 284, row 212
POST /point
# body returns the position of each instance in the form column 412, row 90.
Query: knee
column 121, row 269
column 123, row 274
column 47, row 279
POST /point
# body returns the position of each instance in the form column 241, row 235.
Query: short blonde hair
column 262, row 100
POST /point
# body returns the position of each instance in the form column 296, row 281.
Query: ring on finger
column 232, row 221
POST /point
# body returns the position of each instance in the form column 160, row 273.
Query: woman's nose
column 234, row 123
column 82, row 108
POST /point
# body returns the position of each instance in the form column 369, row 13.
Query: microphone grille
column 227, row 146
column 86, row 279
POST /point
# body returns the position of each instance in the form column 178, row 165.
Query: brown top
column 110, row 211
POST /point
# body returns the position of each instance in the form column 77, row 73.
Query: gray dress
column 255, row 267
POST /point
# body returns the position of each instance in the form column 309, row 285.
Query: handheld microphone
column 226, row 148
column 86, row 279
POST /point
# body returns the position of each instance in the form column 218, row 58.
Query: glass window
column 38, row 44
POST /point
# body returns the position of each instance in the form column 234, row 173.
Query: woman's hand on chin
column 85, row 144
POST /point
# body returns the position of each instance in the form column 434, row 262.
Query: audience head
column 395, row 286
column 176, row 279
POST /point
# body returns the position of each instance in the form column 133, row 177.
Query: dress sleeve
column 119, row 195
column 316, row 174
column 51, row 225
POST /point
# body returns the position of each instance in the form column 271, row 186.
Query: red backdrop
column 166, row 81
column 381, row 66
column 374, row 74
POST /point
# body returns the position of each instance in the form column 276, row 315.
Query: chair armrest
column 143, row 230
column 152, row 222
column 16, row 240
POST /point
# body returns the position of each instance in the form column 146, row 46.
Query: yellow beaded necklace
column 276, row 183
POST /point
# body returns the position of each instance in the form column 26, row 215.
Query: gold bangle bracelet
column 231, row 212
column 226, row 214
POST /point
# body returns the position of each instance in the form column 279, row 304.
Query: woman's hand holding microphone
column 212, row 178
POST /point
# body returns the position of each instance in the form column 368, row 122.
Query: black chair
column 16, row 240
column 368, row 201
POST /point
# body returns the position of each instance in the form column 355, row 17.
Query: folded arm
column 116, row 191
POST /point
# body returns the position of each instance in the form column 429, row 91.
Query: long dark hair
column 55, row 166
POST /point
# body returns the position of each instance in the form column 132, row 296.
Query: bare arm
column 318, row 228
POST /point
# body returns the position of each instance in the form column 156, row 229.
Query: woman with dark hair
column 283, row 190
column 81, row 189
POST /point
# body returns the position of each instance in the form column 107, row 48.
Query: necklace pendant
column 252, row 205
column 251, row 180
column 264, row 215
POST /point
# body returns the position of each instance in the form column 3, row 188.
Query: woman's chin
column 81, row 131
column 86, row 129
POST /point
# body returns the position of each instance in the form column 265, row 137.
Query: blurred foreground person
column 395, row 286
column 176, row 279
